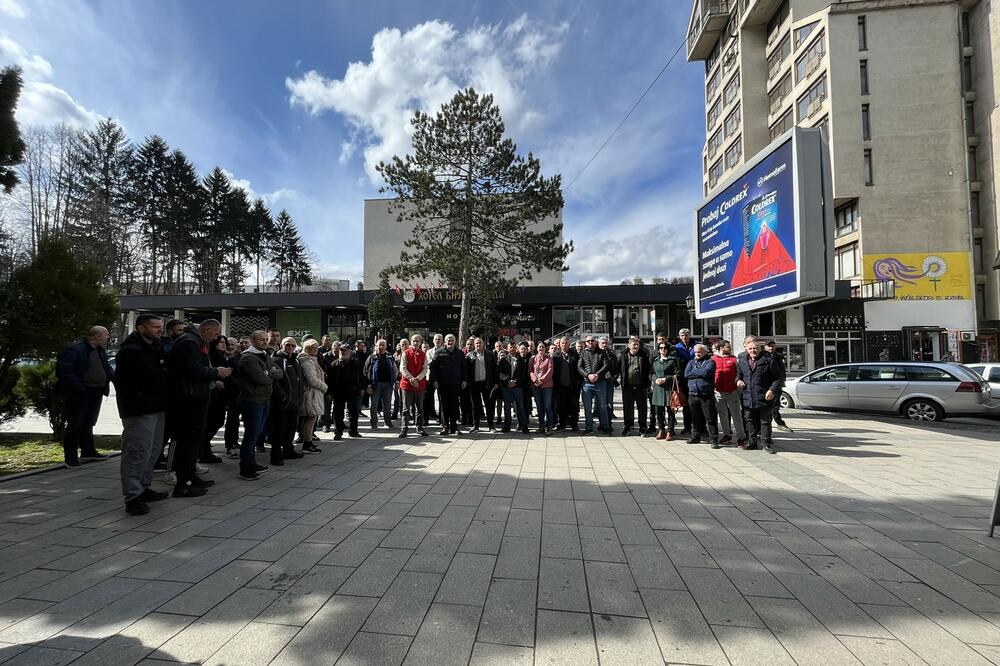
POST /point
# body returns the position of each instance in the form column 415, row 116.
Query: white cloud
column 278, row 195
column 420, row 69
column 33, row 66
column 45, row 104
column 269, row 198
column 12, row 9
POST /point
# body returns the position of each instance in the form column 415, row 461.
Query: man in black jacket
column 191, row 378
column 593, row 366
column 566, row 381
column 610, row 377
column 286, row 399
column 83, row 377
column 347, row 382
column 481, row 374
column 141, row 392
column 514, row 377
column 761, row 377
column 635, row 370
column 448, row 377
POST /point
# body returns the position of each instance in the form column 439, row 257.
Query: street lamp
column 689, row 303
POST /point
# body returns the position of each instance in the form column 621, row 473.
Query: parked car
column 922, row 391
column 991, row 373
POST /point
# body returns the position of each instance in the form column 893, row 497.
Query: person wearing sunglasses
column 664, row 372
column 593, row 365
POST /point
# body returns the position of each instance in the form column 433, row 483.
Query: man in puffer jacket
column 700, row 375
column 727, row 394
column 285, row 403
column 761, row 377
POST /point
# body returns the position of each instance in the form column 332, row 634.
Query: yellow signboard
column 940, row 276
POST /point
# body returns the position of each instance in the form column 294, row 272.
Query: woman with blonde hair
column 315, row 389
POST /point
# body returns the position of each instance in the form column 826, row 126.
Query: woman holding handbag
column 667, row 396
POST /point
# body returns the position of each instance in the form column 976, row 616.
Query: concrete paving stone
column 256, row 643
column 527, row 498
column 430, row 505
column 64, row 588
column 712, row 534
column 593, row 512
column 131, row 644
column 749, row 576
column 278, row 544
column 494, row 509
column 445, row 637
column 991, row 652
column 468, row 495
column 684, row 550
column 404, row 604
column 161, row 564
column 564, row 638
column 15, row 610
column 328, row 633
column 651, row 568
column 503, row 484
column 625, row 641
column 928, row 640
column 856, row 586
column 448, row 484
column 601, row 544
column 718, row 598
column 202, row 638
column 374, row 576
column 802, row 635
column 454, row 519
column 872, row 651
column 29, row 580
column 662, row 517
column 951, row 584
column 353, row 550
column 621, row 503
column 272, row 524
column 509, row 614
column 561, row 541
column 337, row 529
column 98, row 553
column 483, row 537
column 325, row 512
column 34, row 559
column 488, row 654
column 43, row 656
column 369, row 503
column 518, row 558
column 562, row 585
column 680, row 628
column 468, row 580
column 750, row 645
column 435, row 552
column 410, row 494
column 634, row 530
column 209, row 561
column 382, row 649
column 524, row 523
column 612, row 589
column 299, row 603
column 964, row 624
column 868, row 562
column 410, row 531
column 388, row 516
column 232, row 525
column 831, row 607
column 560, row 511
column 283, row 573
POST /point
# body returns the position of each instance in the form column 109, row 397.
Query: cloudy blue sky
column 299, row 100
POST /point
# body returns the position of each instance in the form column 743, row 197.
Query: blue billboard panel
column 747, row 239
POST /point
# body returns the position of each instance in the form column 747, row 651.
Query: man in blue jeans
column 512, row 371
column 381, row 373
column 592, row 367
column 84, row 377
column 258, row 372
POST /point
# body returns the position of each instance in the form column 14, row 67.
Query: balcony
column 708, row 19
column 873, row 290
column 759, row 12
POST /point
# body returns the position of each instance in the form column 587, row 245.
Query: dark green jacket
column 666, row 368
column 258, row 372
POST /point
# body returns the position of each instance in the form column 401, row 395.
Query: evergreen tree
column 287, row 255
column 11, row 144
column 184, row 214
column 234, row 228
column 211, row 233
column 259, row 234
column 474, row 202
column 384, row 316
column 149, row 181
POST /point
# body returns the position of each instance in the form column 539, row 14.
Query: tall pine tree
column 11, row 144
column 288, row 256
column 185, row 211
column 151, row 202
column 259, row 235
column 208, row 253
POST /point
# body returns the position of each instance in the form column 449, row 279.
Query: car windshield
column 965, row 374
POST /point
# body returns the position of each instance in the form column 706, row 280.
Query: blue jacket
column 371, row 368
column 72, row 363
column 700, row 377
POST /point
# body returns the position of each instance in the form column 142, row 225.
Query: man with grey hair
column 448, row 376
column 700, row 375
column 429, row 412
column 380, row 374
column 685, row 354
column 84, row 377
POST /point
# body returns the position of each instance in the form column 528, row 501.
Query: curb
column 43, row 470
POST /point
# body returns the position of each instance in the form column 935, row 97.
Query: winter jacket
column 413, row 368
column 514, row 368
column 490, row 362
column 767, row 374
column 725, row 373
column 624, row 359
column 372, row 367
column 345, row 379
column 700, row 377
column 448, row 367
column 315, row 387
column 571, row 359
column 191, row 372
column 289, row 390
column 665, row 368
column 540, row 370
column 592, row 362
column 684, row 356
column 258, row 372
column 140, row 377
column 72, row 364
column 611, row 375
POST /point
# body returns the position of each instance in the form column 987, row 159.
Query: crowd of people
column 178, row 385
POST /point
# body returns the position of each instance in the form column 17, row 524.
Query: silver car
column 922, row 391
column 991, row 373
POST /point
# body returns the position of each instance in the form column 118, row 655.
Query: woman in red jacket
column 727, row 394
column 540, row 370
column 413, row 368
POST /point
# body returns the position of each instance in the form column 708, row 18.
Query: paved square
column 862, row 541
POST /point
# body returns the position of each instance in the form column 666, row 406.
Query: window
column 775, row 22
column 802, row 34
column 973, row 164
column 864, row 77
column 846, row 218
column 862, row 33
column 782, row 126
column 846, row 262
column 966, row 31
column 731, row 89
column 968, row 84
column 812, row 101
column 811, row 59
column 779, row 93
column 769, row 324
column 706, row 328
column 838, row 347
column 714, row 173
column 970, row 119
column 734, row 153
column 824, row 124
column 869, row 175
column 713, row 57
column 866, row 123
column 977, row 255
column 838, row 374
column 981, row 301
column 974, row 209
column 924, row 373
column 714, row 143
column 732, row 124
column 879, row 373
column 712, row 85
column 713, row 114
column 778, row 56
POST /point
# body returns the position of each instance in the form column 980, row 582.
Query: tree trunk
column 463, row 320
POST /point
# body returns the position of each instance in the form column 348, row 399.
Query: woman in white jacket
column 315, row 388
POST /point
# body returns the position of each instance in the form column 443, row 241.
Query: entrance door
column 923, row 343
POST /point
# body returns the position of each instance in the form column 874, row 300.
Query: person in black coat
column 191, row 378
column 514, row 376
column 700, row 375
column 761, row 377
column 346, row 382
column 566, row 381
column 634, row 371
column 83, row 377
column 448, row 376
column 286, row 399
column 481, row 373
column 141, row 393
column 218, row 401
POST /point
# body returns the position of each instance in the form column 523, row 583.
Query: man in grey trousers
column 141, row 391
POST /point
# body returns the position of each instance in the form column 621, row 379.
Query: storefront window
column 564, row 318
column 634, row 320
column 833, row 347
column 769, row 324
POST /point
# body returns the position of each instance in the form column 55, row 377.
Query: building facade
column 904, row 90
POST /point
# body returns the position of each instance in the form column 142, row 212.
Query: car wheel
column 923, row 410
column 785, row 401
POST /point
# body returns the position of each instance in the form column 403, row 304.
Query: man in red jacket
column 727, row 394
column 413, row 368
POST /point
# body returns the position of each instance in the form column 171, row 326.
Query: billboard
column 766, row 238
column 924, row 276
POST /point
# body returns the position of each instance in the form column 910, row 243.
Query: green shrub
column 11, row 403
column 37, row 390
